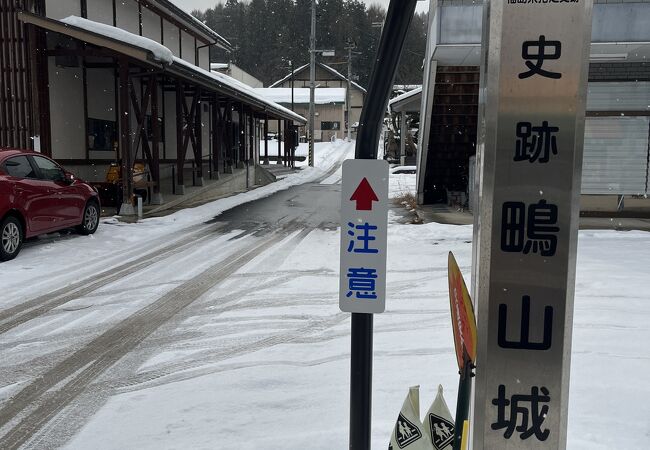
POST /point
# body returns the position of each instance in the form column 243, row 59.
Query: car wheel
column 11, row 238
column 90, row 220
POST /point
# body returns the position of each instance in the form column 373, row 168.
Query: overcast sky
column 190, row 5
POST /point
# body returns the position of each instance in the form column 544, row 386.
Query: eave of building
column 409, row 101
column 212, row 81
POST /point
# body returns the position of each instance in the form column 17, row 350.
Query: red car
column 38, row 196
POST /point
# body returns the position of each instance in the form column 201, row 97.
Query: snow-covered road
column 214, row 329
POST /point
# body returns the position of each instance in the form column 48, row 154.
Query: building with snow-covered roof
column 616, row 158
column 329, row 107
column 97, row 82
column 236, row 72
column 328, row 121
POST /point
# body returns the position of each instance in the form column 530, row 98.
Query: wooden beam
column 180, row 148
column 155, row 139
column 266, row 139
column 125, row 131
column 279, row 142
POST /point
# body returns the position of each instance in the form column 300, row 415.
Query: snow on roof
column 405, row 96
column 301, row 95
column 217, row 66
column 164, row 55
column 326, row 67
column 238, row 85
column 160, row 52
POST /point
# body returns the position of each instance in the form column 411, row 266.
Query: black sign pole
column 398, row 19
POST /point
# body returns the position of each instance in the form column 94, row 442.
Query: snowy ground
column 261, row 359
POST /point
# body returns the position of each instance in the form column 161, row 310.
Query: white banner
column 409, row 433
column 438, row 423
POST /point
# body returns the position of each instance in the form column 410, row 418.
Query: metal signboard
column 364, row 220
column 535, row 56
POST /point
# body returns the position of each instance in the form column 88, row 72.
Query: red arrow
column 364, row 196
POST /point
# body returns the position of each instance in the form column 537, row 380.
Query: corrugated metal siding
column 15, row 95
column 615, row 155
column 619, row 96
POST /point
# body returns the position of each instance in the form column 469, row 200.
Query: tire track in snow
column 17, row 315
column 78, row 370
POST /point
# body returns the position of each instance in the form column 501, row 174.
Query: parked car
column 38, row 196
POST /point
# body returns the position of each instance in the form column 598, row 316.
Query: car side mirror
column 69, row 178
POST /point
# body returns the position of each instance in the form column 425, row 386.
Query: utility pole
column 291, row 67
column 312, row 81
column 348, row 96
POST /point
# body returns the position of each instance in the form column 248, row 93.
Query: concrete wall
column 59, row 9
column 127, row 16
column 67, row 112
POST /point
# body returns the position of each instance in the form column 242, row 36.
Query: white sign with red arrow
column 364, row 222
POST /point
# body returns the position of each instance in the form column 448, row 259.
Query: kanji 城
column 535, row 231
column 362, row 237
column 524, row 409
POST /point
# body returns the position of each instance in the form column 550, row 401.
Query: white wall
column 150, row 24
column 187, row 44
column 127, row 15
column 100, row 11
column 58, row 9
column 66, row 112
column 170, row 37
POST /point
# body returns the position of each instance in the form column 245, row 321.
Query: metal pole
column 462, row 402
column 347, row 93
column 291, row 67
column 312, row 81
column 398, row 19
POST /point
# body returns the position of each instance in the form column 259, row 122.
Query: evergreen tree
column 267, row 34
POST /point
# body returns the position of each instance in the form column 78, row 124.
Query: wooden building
column 328, row 116
column 94, row 82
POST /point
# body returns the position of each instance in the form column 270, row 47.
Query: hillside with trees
column 268, row 34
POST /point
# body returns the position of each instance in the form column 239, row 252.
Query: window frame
column 40, row 174
column 29, row 161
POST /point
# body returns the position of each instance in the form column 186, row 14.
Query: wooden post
column 251, row 153
column 180, row 150
column 242, row 137
column 279, row 142
column 266, row 139
column 217, row 142
column 125, row 139
column 156, row 198
column 198, row 137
